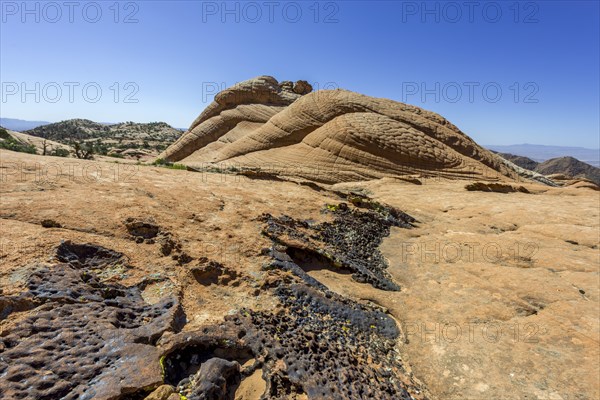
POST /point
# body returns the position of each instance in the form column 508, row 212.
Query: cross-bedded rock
column 329, row 136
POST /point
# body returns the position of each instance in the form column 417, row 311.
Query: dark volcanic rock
column 316, row 343
column 324, row 341
column 142, row 229
column 350, row 242
column 216, row 379
column 495, row 187
column 80, row 338
column 50, row 223
column 87, row 255
column 83, row 339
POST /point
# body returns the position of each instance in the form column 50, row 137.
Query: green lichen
column 162, row 366
column 332, row 207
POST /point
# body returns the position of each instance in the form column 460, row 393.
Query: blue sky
column 503, row 72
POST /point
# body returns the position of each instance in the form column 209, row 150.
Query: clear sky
column 503, row 72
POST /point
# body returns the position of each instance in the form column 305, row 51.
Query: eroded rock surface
column 82, row 339
column 316, row 342
column 86, row 339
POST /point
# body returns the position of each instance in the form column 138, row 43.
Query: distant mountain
column 539, row 153
column 147, row 138
column 521, row 161
column 571, row 167
column 568, row 166
column 20, row 125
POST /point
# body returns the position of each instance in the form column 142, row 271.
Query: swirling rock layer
column 328, row 136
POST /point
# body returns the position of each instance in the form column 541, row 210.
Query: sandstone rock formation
column 328, row 136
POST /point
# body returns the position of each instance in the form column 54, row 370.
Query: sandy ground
column 500, row 292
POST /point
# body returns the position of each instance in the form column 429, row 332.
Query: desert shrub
column 160, row 162
column 4, row 134
column 84, row 151
column 17, row 146
column 10, row 143
column 60, row 152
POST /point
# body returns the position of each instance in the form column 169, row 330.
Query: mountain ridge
column 146, row 139
column 540, row 152
column 570, row 167
column 19, row 125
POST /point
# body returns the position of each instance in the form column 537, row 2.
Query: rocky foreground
column 129, row 282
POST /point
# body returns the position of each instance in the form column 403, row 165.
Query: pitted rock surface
column 315, row 343
column 331, row 347
column 80, row 338
column 83, row 339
